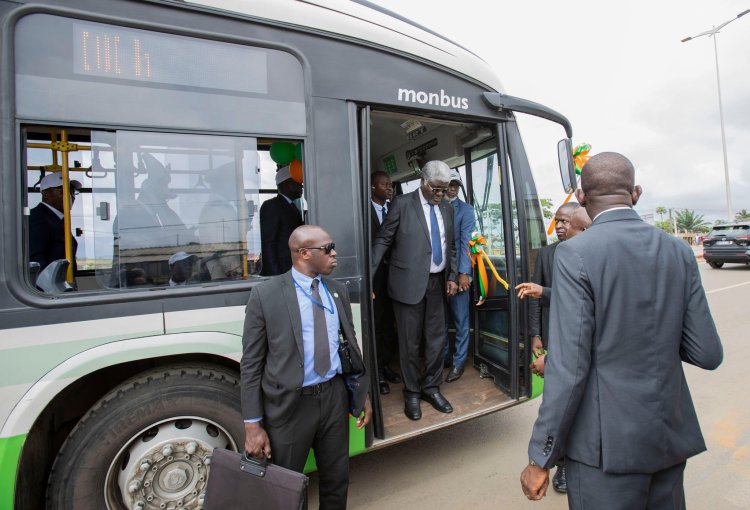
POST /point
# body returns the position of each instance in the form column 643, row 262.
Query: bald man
column 627, row 310
column 293, row 395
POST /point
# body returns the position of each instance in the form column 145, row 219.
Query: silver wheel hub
column 165, row 467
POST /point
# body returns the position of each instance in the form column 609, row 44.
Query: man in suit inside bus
column 464, row 224
column 385, row 333
column 418, row 231
column 46, row 223
column 627, row 309
column 279, row 216
column 293, row 396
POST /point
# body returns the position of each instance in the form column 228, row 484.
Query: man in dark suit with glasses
column 418, row 231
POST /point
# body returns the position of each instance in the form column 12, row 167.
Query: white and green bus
column 115, row 383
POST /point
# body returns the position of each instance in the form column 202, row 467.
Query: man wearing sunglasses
column 293, row 395
column 422, row 272
column 47, row 225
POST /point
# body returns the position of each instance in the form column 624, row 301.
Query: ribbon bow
column 580, row 157
column 477, row 244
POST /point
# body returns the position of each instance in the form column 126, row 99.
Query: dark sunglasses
column 328, row 248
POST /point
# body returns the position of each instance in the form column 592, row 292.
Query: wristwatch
column 532, row 463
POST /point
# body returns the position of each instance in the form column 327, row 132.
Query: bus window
column 161, row 209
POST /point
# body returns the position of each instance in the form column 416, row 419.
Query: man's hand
column 537, row 366
column 451, row 288
column 366, row 415
column 537, row 347
column 463, row 282
column 534, row 482
column 529, row 289
column 256, row 441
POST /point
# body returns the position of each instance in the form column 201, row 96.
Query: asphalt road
column 477, row 464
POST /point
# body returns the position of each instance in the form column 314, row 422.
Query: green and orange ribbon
column 580, row 157
column 477, row 243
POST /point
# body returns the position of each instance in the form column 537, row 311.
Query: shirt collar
column 286, row 197
column 610, row 210
column 422, row 198
column 304, row 281
column 54, row 210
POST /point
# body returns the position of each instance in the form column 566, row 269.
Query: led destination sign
column 130, row 54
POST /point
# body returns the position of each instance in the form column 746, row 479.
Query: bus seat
column 52, row 279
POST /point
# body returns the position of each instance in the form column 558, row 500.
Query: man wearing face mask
column 279, row 217
column 46, row 224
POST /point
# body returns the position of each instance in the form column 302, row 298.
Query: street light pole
column 713, row 33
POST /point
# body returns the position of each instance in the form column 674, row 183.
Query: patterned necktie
column 322, row 353
column 437, row 248
column 383, row 214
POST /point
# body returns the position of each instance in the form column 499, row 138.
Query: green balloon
column 298, row 152
column 282, row 153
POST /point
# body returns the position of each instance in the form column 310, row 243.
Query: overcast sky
column 621, row 75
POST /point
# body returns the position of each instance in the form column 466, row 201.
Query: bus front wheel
column 148, row 442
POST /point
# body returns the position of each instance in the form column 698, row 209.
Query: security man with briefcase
column 296, row 392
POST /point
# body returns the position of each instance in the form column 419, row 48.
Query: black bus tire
column 159, row 426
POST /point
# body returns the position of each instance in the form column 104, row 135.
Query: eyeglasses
column 436, row 191
column 328, row 248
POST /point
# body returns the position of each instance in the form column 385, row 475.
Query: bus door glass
column 492, row 318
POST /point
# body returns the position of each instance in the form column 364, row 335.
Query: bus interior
column 400, row 144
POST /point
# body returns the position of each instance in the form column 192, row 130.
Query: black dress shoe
column 385, row 389
column 392, row 375
column 560, row 482
column 438, row 401
column 454, row 374
column 412, row 409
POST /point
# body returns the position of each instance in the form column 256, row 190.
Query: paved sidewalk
column 698, row 250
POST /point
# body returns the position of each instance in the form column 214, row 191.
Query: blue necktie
column 437, row 248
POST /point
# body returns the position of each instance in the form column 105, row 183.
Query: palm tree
column 743, row 215
column 688, row 221
column 661, row 211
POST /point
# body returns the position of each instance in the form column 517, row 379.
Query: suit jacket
column 539, row 308
column 272, row 365
column 278, row 219
column 627, row 308
column 464, row 224
column 405, row 232
column 47, row 238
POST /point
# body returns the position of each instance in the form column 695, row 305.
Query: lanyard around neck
column 315, row 301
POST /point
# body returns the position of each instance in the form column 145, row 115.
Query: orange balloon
column 295, row 170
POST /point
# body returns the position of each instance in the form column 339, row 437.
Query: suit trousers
column 422, row 324
column 320, row 422
column 458, row 312
column 590, row 488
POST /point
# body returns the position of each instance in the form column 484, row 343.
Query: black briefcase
column 238, row 481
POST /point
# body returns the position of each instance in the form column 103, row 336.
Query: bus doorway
column 400, row 144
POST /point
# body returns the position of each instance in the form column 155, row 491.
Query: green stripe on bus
column 40, row 359
column 10, row 451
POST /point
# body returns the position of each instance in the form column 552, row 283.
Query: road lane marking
column 727, row 288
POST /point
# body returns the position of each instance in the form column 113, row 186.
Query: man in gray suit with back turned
column 627, row 309
column 422, row 271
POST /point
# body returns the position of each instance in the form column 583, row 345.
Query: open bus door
column 509, row 218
